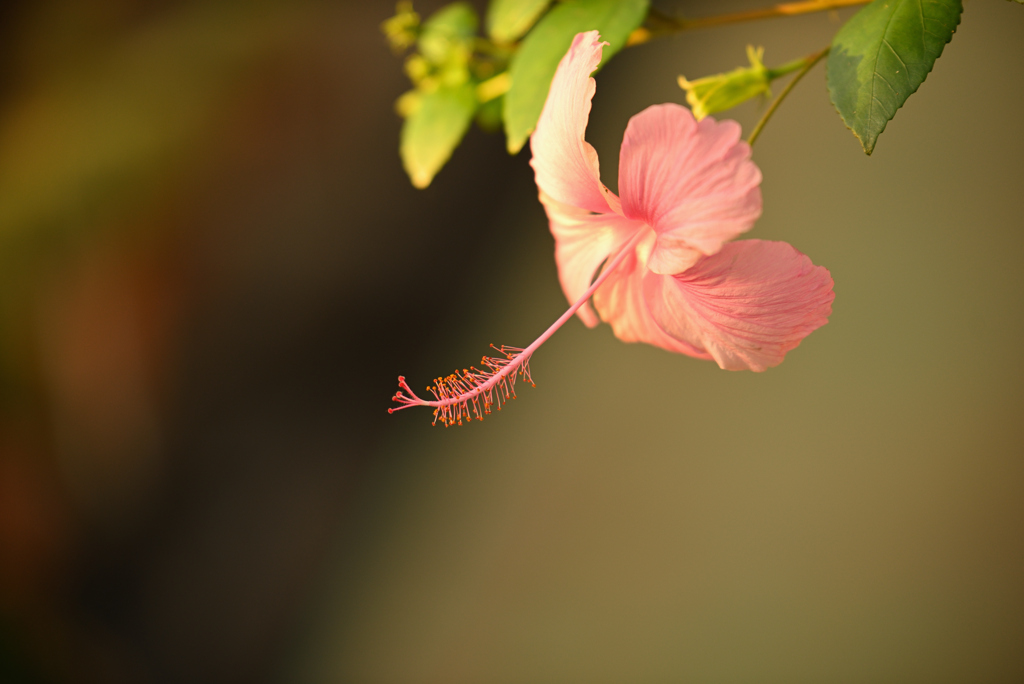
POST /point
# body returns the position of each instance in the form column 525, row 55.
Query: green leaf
column 508, row 20
column 434, row 129
column 535, row 63
column 447, row 28
column 881, row 56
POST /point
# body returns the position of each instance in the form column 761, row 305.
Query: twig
column 668, row 24
column 811, row 61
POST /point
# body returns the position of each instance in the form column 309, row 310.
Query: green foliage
column 509, row 20
column 447, row 32
column 445, row 48
column 439, row 110
column 402, row 28
column 433, row 129
column 881, row 56
column 534, row 65
column 457, row 74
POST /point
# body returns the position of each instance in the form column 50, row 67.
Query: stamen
column 473, row 392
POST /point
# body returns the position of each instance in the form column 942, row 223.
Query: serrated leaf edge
column 831, row 90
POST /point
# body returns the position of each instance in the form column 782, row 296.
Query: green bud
column 416, row 68
column 449, row 30
column 724, row 91
column 408, row 103
column 403, row 28
column 453, row 74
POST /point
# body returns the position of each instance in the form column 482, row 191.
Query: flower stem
column 789, row 67
column 666, row 24
column 810, row 61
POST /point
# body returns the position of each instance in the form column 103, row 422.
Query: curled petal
column 565, row 165
column 582, row 243
column 622, row 305
column 745, row 306
column 694, row 183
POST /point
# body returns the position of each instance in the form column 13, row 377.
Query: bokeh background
column 212, row 268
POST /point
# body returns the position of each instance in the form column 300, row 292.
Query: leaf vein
column 888, row 45
column 885, row 32
column 886, row 82
column 924, row 30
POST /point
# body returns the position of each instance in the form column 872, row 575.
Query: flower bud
column 723, row 91
column 416, row 68
column 407, row 104
column 402, row 29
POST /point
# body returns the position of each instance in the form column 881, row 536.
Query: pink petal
column 565, row 164
column 746, row 306
column 582, row 243
column 621, row 303
column 692, row 182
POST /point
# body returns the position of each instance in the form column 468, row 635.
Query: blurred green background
column 212, row 268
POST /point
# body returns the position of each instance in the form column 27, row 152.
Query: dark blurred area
column 208, row 254
column 212, row 268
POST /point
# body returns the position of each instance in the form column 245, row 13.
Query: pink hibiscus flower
column 670, row 276
column 687, row 188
